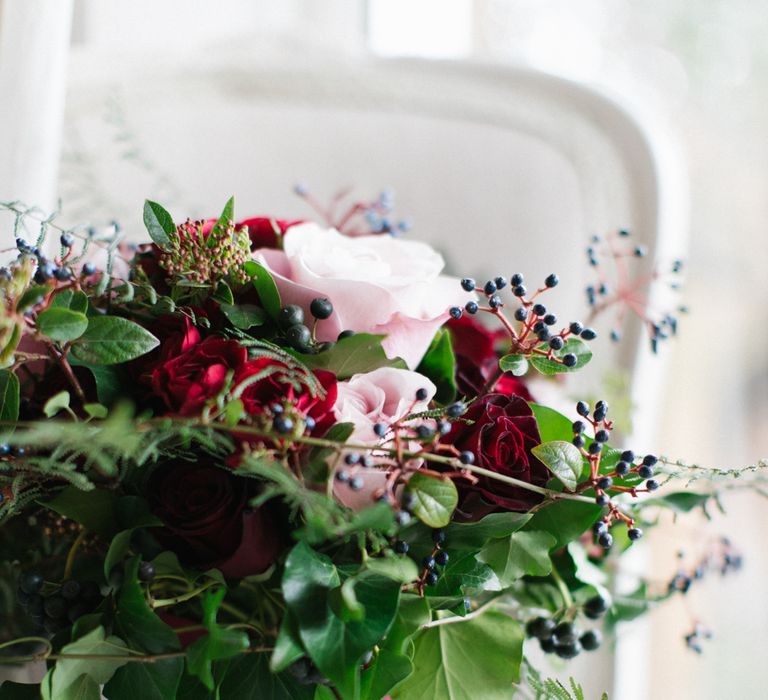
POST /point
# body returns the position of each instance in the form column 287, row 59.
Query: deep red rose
column 187, row 381
column 501, row 436
column 207, row 519
column 476, row 359
column 279, row 385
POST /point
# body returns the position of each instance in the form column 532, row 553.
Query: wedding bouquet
column 270, row 459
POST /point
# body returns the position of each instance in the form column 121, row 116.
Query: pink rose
column 382, row 396
column 377, row 284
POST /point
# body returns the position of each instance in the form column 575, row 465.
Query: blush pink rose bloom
column 382, row 396
column 377, row 284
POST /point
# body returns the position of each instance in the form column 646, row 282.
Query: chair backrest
column 503, row 169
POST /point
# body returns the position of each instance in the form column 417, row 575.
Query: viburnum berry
column 594, row 448
column 519, row 290
column 556, row 343
column 552, row 280
column 441, row 558
column 634, row 533
column 380, row 429
column 521, row 314
column 582, row 409
column 356, row 483
column 650, row 460
column 621, row 468
column 578, row 426
column 466, row 457
column 454, row 410
column 146, row 571
column 516, row 280
column 605, row 540
column 645, row 472
column 605, row 483
column 651, row 484
column 471, row 307
column 628, row 456
column 489, row 288
column 539, row 309
column 501, row 282
column 590, row 640
column 421, row 394
column 575, row 327
column 495, row 301
column 579, row 441
column 321, row 308
column 455, row 312
column 401, row 547
column 602, row 499
column 550, row 319
column 595, row 607
column 468, row 284
column 588, row 334
column 540, row 627
column 432, row 578
column 438, row 536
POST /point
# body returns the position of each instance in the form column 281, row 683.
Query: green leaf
column 552, row 424
column 57, row 403
column 220, row 643
column 266, row 288
column 563, row 459
column 574, row 346
column 9, row 396
column 680, row 501
column 475, row 535
column 111, row 340
column 564, row 520
column 10, row 690
column 109, row 381
column 434, row 499
column 69, row 671
column 249, row 678
column 317, row 469
column 465, row 575
column 516, row 364
column 69, row 299
column 358, row 353
column 157, row 681
column 31, row 296
column 159, row 223
column 401, row 569
column 6, row 353
column 96, row 410
column 95, row 511
column 244, row 316
column 287, row 646
column 62, row 325
column 521, row 554
column 222, row 223
column 336, row 647
column 439, row 365
column 387, row 671
column 479, row 658
column 223, row 293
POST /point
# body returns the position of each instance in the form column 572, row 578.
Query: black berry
column 468, row 284
column 146, row 571
column 590, row 640
column 634, row 533
column 455, row 312
column 441, row 558
column 582, row 409
column 401, row 547
column 345, row 334
column 588, row 334
column 551, row 280
column 321, row 308
column 291, row 315
column 421, row 394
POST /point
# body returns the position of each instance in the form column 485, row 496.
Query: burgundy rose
column 207, row 520
column 187, row 381
column 279, row 385
column 476, row 359
column 501, row 436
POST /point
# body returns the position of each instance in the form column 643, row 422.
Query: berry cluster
column 694, row 638
column 564, row 638
column 297, row 334
column 55, row 606
column 627, row 293
column 722, row 558
column 604, row 483
column 46, row 270
column 534, row 334
column 359, row 218
column 438, row 557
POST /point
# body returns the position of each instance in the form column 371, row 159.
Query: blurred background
column 507, row 127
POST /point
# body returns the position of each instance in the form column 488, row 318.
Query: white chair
column 503, row 169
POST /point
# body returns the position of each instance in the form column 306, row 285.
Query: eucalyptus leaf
column 434, row 498
column 563, row 459
column 516, row 364
column 112, row 340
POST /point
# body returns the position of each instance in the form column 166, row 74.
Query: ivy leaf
column 249, row 678
column 358, row 353
column 269, row 296
column 244, row 316
column 113, row 340
column 69, row 672
column 387, row 671
column 564, row 520
column 9, row 396
column 401, row 569
column 159, row 223
column 158, row 681
column 475, row 535
column 439, row 365
column 563, row 459
column 465, row 575
column 520, row 554
column 516, row 364
column 434, row 499
column 287, row 646
column 479, row 658
column 574, row 346
column 62, row 325
column 218, row 644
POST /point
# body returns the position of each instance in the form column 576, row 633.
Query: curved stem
column 70, row 562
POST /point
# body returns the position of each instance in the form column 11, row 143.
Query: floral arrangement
column 272, row 459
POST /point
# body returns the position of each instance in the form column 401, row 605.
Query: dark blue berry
column 579, row 441
column 600, row 413
column 539, row 326
column 66, row 239
column 345, row 334
column 628, row 456
column 582, row 409
column 425, row 432
column 539, row 309
column 543, row 335
column 623, row 232
column 55, row 607
column 550, row 319
column 291, row 315
column 441, row 558
column 380, row 429
column 602, row 499
column 516, row 280
column 605, row 540
column 605, row 483
column 519, row 290
column 551, row 280
column 432, row 578
column 428, row 562
column 321, row 308
column 5, row 450
column 602, row 436
column 443, row 427
column 578, row 426
column 351, row 458
column 575, row 328
column 356, row 483
column 599, row 527
column 595, row 607
column 471, row 307
column 466, row 457
column 495, row 301
column 421, row 394
column 438, row 536
column 556, row 343
column 651, row 484
column 622, row 468
column 634, row 533
column 31, row 582
column 63, row 274
column 282, row 424
column 640, row 251
column 367, row 461
column 565, row 633
column 309, row 423
column 18, row 451
column 147, row 571
column 521, row 314
column 489, row 288
column 615, row 336
column 650, row 460
column 454, row 410
column 299, row 337
column 468, row 284
column 645, row 472
column 594, row 448
column 455, row 312
column 588, row 334
column 401, row 547
column 590, row 640
column 501, row 282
